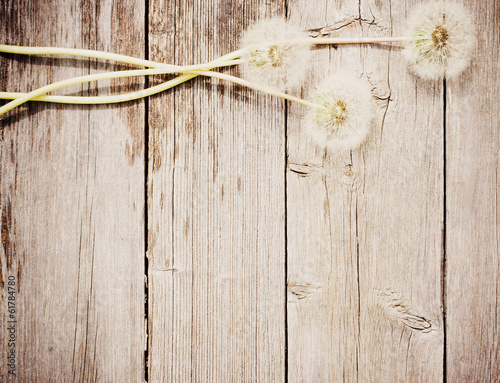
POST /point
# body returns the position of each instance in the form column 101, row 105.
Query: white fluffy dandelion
column 276, row 54
column 441, row 40
column 343, row 115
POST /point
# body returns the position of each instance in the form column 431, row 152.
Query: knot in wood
column 349, row 176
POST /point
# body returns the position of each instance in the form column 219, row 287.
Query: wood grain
column 472, row 192
column 269, row 259
column 365, row 227
column 72, row 200
column 216, row 208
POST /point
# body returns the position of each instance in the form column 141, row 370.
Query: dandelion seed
column 344, row 118
column 272, row 58
column 441, row 40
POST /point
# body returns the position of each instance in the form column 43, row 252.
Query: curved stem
column 100, row 76
column 127, row 96
column 87, row 100
column 251, row 85
column 157, row 89
column 134, row 95
column 225, row 60
column 153, row 64
column 81, row 53
column 92, row 54
column 354, row 40
column 162, row 68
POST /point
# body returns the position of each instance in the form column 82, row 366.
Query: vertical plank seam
column 88, row 87
column 359, row 289
column 172, row 200
column 193, row 103
column 89, row 304
column 146, row 207
column 195, row 91
column 358, row 340
column 77, row 299
column 443, row 255
column 498, row 261
column 285, row 166
column 286, row 241
column 494, row 348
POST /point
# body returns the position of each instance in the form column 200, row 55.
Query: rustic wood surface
column 72, row 198
column 200, row 236
column 216, row 215
column 364, row 263
column 472, row 209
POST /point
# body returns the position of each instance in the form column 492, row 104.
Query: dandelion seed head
column 271, row 58
column 344, row 114
column 442, row 40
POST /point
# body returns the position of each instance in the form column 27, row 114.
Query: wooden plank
column 216, row 208
column 472, row 219
column 72, row 200
column 364, row 227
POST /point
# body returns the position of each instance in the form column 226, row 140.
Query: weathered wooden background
column 201, row 236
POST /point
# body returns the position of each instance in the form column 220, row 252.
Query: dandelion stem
column 100, row 76
column 251, row 85
column 81, row 53
column 95, row 54
column 354, row 40
column 221, row 61
column 151, row 91
column 190, row 72
column 153, row 64
column 104, row 99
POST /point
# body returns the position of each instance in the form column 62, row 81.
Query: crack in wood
column 396, row 310
column 348, row 21
column 305, row 169
column 302, row 290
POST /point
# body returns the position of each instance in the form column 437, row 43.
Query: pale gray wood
column 365, row 228
column 72, row 201
column 216, row 208
column 472, row 229
column 371, row 293
column 322, row 290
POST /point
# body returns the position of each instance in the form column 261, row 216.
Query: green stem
column 223, row 61
column 84, row 100
column 353, row 40
column 153, row 64
column 157, row 89
column 162, row 68
column 94, row 54
column 82, row 53
column 100, row 76
column 251, row 85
